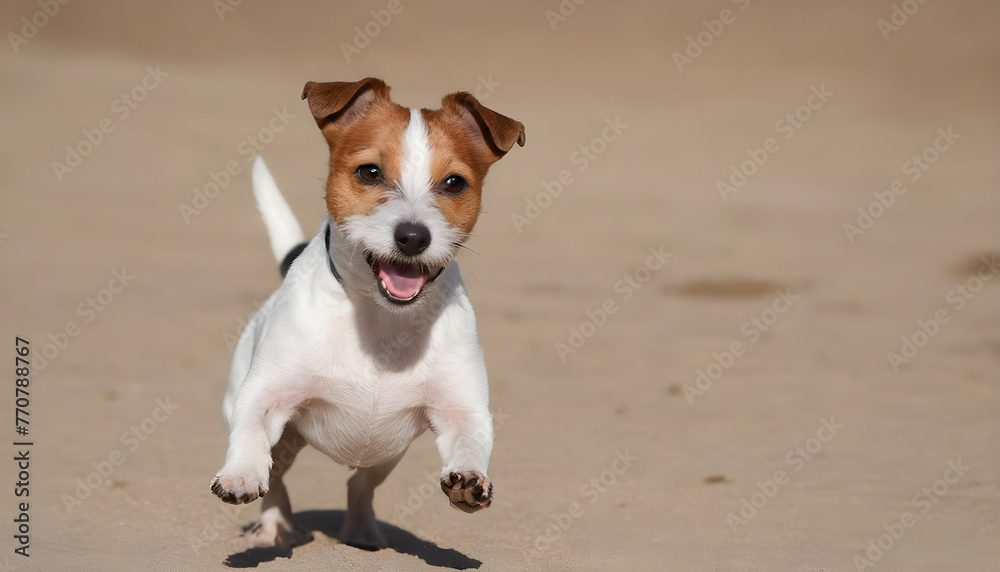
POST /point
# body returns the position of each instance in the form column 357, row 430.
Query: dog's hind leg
column 359, row 528
column 275, row 527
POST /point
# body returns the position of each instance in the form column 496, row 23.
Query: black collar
column 330, row 258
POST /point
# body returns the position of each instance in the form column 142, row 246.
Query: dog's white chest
column 363, row 425
column 362, row 382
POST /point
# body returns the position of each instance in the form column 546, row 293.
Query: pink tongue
column 403, row 281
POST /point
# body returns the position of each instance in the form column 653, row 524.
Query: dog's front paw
column 468, row 490
column 237, row 487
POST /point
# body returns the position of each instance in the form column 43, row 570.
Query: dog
column 371, row 338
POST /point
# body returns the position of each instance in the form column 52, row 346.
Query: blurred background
column 736, row 291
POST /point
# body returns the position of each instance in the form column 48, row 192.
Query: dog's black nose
column 412, row 238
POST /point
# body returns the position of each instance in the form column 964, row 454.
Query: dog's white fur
column 414, row 201
column 355, row 378
column 282, row 227
column 371, row 338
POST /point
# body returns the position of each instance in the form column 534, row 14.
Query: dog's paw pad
column 468, row 490
column 237, row 489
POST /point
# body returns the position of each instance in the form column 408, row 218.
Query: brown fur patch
column 371, row 130
column 457, row 150
column 375, row 138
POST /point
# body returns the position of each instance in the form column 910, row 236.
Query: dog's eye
column 455, row 185
column 369, row 174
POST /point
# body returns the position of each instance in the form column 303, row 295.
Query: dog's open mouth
column 398, row 281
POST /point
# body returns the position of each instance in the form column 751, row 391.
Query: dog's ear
column 498, row 131
column 343, row 102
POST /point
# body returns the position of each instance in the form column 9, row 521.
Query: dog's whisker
column 464, row 247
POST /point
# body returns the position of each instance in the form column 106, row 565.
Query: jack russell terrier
column 371, row 338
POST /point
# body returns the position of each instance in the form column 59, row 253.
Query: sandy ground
column 808, row 447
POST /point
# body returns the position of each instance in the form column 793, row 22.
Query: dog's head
column 405, row 185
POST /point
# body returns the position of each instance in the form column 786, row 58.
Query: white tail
column 282, row 226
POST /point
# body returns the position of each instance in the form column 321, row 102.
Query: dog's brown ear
column 499, row 131
column 342, row 101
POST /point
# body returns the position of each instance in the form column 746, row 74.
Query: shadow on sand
column 328, row 522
